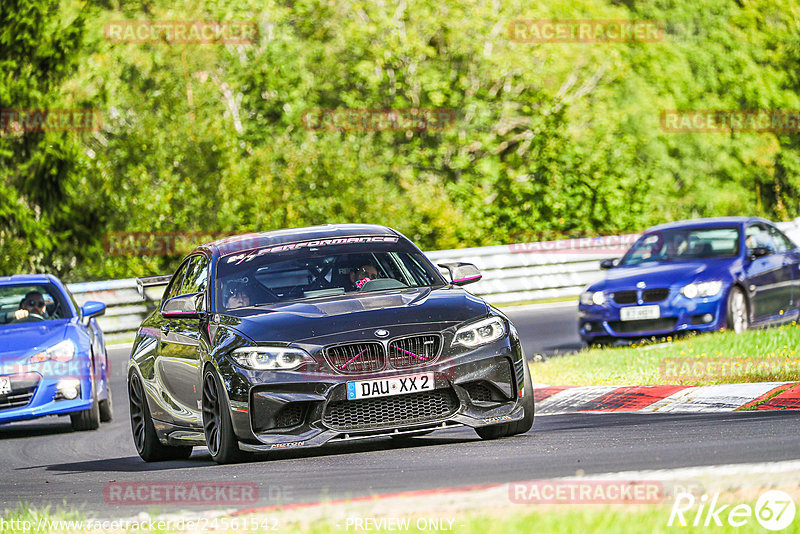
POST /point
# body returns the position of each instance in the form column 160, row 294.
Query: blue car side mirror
column 609, row 263
column 93, row 309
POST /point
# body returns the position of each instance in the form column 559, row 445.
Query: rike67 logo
column 774, row 510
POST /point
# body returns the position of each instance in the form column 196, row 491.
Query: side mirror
column 759, row 252
column 608, row 264
column 183, row 307
column 462, row 273
column 93, row 308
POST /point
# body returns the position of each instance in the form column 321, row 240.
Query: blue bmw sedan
column 52, row 357
column 700, row 275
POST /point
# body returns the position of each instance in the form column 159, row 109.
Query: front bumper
column 677, row 314
column 33, row 395
column 479, row 388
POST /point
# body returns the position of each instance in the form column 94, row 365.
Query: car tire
column 88, row 419
column 737, row 318
column 106, row 406
column 517, row 427
column 217, row 425
column 145, row 438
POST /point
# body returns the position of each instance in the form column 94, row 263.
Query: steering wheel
column 30, row 318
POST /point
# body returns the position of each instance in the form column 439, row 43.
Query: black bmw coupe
column 295, row 338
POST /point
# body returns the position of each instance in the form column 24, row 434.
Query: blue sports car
column 700, row 275
column 52, row 357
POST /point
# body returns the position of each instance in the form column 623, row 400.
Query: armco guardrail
column 511, row 273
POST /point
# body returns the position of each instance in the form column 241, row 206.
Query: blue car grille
column 21, row 394
column 630, row 296
column 655, row 294
column 644, row 326
column 625, row 297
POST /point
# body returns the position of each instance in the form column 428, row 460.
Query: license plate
column 637, row 313
column 5, row 385
column 385, row 387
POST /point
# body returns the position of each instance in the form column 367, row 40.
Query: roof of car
column 26, row 279
column 240, row 243
column 708, row 222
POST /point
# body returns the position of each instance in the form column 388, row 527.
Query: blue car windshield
column 681, row 244
column 27, row 303
column 308, row 271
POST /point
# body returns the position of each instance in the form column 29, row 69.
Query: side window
column 174, row 288
column 758, row 236
column 782, row 242
column 196, row 278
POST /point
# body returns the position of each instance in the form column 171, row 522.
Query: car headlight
column 262, row 358
column 593, row 297
column 63, row 351
column 480, row 333
column 702, row 289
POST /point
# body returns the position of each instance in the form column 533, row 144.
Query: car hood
column 301, row 321
column 661, row 274
column 21, row 340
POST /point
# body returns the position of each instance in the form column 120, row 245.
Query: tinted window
column 196, row 278
column 759, row 237
column 684, row 244
column 174, row 287
column 782, row 242
column 268, row 276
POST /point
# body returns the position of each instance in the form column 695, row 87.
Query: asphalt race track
column 45, row 462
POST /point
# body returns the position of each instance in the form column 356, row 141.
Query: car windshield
column 683, row 244
column 31, row 303
column 320, row 269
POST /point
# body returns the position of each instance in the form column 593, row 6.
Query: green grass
column 764, row 355
column 559, row 519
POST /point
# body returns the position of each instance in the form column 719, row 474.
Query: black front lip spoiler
column 319, row 437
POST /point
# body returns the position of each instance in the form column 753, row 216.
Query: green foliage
column 550, row 140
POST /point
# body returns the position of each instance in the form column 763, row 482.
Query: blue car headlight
column 702, row 289
column 480, row 333
column 266, row 358
column 63, row 351
column 589, row 298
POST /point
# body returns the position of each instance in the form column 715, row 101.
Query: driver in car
column 363, row 274
column 238, row 297
column 32, row 306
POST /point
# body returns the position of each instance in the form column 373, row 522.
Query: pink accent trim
column 411, row 353
column 353, row 358
column 362, row 282
column 476, row 277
